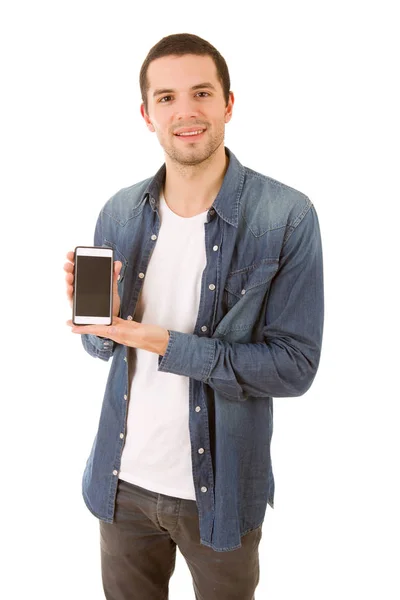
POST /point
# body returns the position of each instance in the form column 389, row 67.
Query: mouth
column 192, row 136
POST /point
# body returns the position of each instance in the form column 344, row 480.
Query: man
column 219, row 306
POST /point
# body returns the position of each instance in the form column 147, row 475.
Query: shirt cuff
column 98, row 346
column 189, row 355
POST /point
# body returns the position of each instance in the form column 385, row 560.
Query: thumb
column 117, row 269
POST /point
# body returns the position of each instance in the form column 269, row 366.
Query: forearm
column 241, row 370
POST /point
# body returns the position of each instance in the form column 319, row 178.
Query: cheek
column 162, row 119
column 217, row 117
column 163, row 127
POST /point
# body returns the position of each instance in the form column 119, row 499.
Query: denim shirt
column 258, row 335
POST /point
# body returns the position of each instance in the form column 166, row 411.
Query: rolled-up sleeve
column 286, row 362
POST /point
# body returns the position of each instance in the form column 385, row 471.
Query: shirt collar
column 226, row 204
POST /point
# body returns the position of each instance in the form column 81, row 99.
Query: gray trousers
column 138, row 551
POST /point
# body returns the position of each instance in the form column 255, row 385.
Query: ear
column 229, row 108
column 146, row 117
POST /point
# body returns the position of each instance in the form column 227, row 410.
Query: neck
column 191, row 189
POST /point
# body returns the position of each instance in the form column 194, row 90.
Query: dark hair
column 179, row 44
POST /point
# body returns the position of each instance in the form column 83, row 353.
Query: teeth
column 191, row 132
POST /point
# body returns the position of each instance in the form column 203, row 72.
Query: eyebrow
column 198, row 86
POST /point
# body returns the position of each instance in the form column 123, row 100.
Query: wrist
column 154, row 339
column 166, row 342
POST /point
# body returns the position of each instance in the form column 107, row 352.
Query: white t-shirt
column 157, row 451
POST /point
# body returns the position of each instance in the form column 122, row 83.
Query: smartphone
column 93, row 285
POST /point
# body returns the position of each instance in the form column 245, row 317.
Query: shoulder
column 127, row 202
column 267, row 203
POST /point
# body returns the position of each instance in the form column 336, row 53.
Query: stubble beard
column 190, row 157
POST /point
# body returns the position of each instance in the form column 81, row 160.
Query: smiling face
column 185, row 95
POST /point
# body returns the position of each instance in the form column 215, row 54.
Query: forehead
column 181, row 71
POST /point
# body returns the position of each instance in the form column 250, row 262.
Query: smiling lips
column 189, row 132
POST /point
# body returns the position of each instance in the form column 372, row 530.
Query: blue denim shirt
column 257, row 336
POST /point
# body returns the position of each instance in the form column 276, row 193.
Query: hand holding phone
column 69, row 268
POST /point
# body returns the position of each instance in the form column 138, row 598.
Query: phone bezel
column 93, row 251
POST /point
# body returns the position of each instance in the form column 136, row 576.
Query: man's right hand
column 69, row 279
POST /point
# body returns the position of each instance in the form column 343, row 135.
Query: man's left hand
column 129, row 333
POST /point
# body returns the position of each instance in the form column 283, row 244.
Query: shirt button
column 204, row 328
column 212, row 211
column 125, row 397
column 200, row 450
column 203, row 489
column 243, row 292
column 141, row 275
column 211, row 286
column 197, row 409
column 125, row 359
column 115, row 472
column 129, row 317
column 121, row 435
column 215, row 248
column 153, row 237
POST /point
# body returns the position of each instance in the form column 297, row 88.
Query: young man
column 219, row 308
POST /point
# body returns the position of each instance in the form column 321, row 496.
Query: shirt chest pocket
column 250, row 282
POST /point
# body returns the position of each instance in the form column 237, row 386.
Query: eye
column 165, row 99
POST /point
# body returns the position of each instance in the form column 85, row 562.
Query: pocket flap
column 240, row 282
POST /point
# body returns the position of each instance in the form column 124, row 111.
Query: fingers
column 68, row 267
column 70, row 293
column 69, row 280
column 69, row 277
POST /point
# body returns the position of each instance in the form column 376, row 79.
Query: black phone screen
column 92, row 282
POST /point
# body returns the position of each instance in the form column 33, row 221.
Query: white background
column 316, row 108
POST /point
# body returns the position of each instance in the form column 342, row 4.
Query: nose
column 186, row 108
